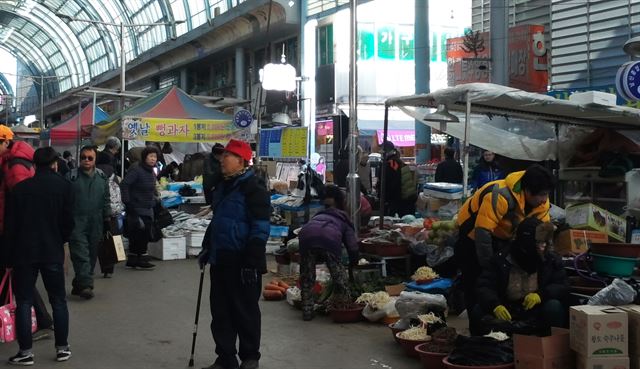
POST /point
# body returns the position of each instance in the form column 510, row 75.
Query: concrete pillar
column 422, row 73
column 241, row 84
column 308, row 29
column 500, row 42
column 183, row 80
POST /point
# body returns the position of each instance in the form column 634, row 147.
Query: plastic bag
column 430, row 299
column 617, row 293
column 449, row 210
column 481, row 351
column 437, row 255
column 373, row 315
column 412, row 304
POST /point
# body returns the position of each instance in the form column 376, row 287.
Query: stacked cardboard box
column 592, row 217
column 599, row 336
column 550, row 352
column 576, row 241
column 633, row 314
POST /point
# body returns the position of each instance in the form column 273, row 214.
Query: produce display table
column 383, row 262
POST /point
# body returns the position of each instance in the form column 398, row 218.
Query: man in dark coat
column 44, row 203
column 234, row 245
column 526, row 283
column 110, row 154
column 449, row 170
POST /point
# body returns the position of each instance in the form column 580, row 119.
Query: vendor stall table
column 384, row 259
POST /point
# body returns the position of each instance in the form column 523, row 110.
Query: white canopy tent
column 513, row 123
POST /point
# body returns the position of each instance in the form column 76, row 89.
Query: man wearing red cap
column 234, row 245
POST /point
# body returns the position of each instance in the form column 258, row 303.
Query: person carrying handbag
column 138, row 190
column 43, row 202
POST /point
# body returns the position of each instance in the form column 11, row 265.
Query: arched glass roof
column 77, row 40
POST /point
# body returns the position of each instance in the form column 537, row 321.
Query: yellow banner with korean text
column 180, row 130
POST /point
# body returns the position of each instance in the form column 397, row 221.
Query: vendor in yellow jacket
column 489, row 218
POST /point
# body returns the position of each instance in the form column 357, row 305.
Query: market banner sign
column 399, row 137
column 179, row 130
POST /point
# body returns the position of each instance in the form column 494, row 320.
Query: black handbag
column 161, row 216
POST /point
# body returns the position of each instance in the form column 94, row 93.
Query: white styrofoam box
column 593, row 97
column 194, row 239
column 193, row 251
column 270, row 249
column 169, row 248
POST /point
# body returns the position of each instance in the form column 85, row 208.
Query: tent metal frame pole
column 465, row 149
column 79, row 129
column 93, row 115
column 383, row 169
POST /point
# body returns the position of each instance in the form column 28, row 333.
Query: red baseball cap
column 239, row 148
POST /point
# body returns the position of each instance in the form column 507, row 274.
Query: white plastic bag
column 616, row 294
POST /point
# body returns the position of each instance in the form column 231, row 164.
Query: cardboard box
column 551, row 352
column 169, row 248
column 602, row 362
column 576, row 241
column 633, row 315
column 589, row 216
column 599, row 331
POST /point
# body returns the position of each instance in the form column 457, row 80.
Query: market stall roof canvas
column 67, row 131
column 515, row 123
column 168, row 103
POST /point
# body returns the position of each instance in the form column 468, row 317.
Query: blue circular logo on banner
column 628, row 81
column 243, row 118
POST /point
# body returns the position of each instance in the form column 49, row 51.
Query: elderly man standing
column 234, row 245
column 91, row 212
column 109, row 154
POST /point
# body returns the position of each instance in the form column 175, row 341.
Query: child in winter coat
column 321, row 241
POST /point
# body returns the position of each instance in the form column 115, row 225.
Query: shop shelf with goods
column 585, row 185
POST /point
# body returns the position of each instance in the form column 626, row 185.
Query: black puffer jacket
column 492, row 284
column 138, row 188
column 39, row 219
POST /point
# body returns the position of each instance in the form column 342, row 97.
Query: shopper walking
column 139, row 195
column 91, row 214
column 487, row 170
column 449, row 170
column 234, row 245
column 43, row 203
column 321, row 241
column 16, row 165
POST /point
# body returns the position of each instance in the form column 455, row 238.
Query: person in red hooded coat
column 16, row 165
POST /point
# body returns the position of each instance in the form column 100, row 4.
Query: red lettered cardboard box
column 551, row 352
column 633, row 315
column 599, row 331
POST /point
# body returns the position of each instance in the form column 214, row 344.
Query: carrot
column 271, row 295
column 273, row 287
column 283, row 285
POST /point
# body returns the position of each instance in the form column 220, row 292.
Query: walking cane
column 195, row 326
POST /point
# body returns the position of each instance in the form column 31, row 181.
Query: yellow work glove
column 501, row 312
column 531, row 300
